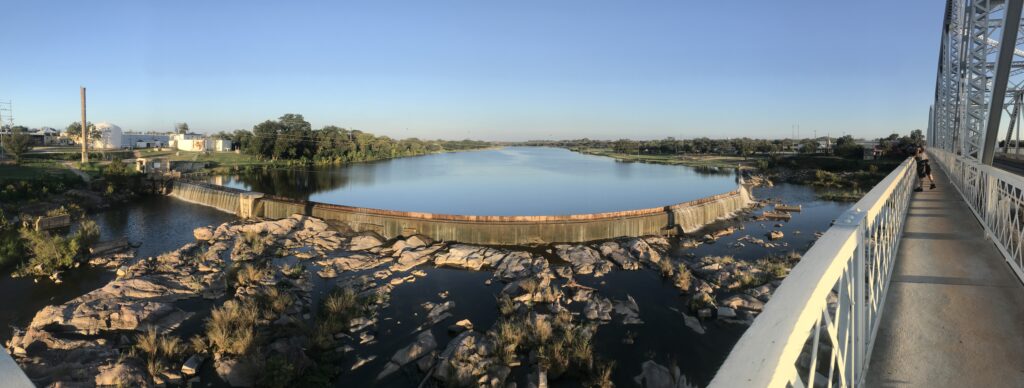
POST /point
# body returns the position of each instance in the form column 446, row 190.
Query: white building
column 221, row 145
column 191, row 142
column 110, row 137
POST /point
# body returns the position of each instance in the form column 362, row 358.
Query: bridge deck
column 954, row 314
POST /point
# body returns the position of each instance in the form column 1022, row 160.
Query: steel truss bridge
column 917, row 288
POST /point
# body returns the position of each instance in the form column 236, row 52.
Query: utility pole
column 6, row 120
column 85, row 131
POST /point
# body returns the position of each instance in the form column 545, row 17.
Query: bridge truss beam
column 979, row 69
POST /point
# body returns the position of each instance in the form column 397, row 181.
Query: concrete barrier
column 489, row 230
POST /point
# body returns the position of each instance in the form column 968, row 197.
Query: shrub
column 665, row 267
column 336, row 311
column 683, row 277
column 231, row 328
column 48, row 253
column 507, row 336
column 249, row 274
column 159, row 352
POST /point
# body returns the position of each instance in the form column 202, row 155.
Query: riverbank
column 299, row 272
column 698, row 161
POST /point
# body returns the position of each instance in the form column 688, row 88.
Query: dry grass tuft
column 231, row 328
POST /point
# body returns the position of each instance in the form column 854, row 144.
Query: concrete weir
column 488, row 230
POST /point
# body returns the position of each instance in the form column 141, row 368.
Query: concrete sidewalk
column 954, row 312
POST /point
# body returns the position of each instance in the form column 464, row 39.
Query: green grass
column 217, row 158
column 37, row 170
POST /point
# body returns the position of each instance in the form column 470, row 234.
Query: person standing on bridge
column 923, row 169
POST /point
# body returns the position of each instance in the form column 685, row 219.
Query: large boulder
column 409, row 259
column 611, row 250
column 629, row 311
column 598, row 308
column 461, row 256
column 469, row 360
column 357, row 262
column 424, row 344
column 124, row 373
column 519, row 264
column 203, row 233
column 643, row 251
column 364, row 241
column 583, row 259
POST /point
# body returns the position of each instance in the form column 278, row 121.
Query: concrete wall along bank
column 489, row 230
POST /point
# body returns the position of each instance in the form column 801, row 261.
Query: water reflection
column 508, row 181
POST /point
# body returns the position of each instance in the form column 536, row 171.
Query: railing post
column 860, row 337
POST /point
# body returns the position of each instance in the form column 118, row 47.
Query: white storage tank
column 110, row 137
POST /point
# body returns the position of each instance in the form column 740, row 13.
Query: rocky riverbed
column 299, row 301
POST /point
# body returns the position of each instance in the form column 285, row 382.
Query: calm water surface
column 507, row 181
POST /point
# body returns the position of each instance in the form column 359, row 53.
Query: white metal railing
column 819, row 327
column 996, row 198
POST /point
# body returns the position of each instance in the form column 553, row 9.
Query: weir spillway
column 488, row 230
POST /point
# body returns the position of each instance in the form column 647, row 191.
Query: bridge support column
column 247, row 204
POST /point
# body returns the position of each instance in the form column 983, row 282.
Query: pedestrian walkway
column 954, row 312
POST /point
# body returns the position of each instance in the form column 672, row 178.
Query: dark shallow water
column 162, row 224
column 157, row 224
column 507, row 181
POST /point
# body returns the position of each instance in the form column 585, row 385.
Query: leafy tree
column 74, row 131
column 847, row 147
column 808, row 146
column 17, row 142
column 181, row 128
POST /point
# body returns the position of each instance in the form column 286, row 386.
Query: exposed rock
column 356, row 262
column 469, row 360
column 744, row 301
column 598, row 308
column 191, row 366
column 629, row 310
column 693, row 323
column 658, row 242
column 613, row 251
column 409, row 259
column 122, row 374
column 584, row 260
column 519, row 264
column 235, row 372
column 424, row 344
column 726, row 312
column 361, row 323
column 460, row 326
column 723, row 232
column 776, row 235
column 654, row 375
column 360, row 361
column 438, row 312
column 364, row 241
column 534, row 289
column 203, row 233
column 461, row 256
column 643, row 251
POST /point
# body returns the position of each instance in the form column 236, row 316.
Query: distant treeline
column 291, row 137
column 894, row 145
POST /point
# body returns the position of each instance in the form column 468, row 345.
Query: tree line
column 894, row 145
column 291, row 137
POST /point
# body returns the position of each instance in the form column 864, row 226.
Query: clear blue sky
column 510, row 70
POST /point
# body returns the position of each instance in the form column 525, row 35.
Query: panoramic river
column 506, row 181
column 515, row 180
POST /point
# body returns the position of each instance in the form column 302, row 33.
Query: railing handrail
column 1001, row 189
column 767, row 352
